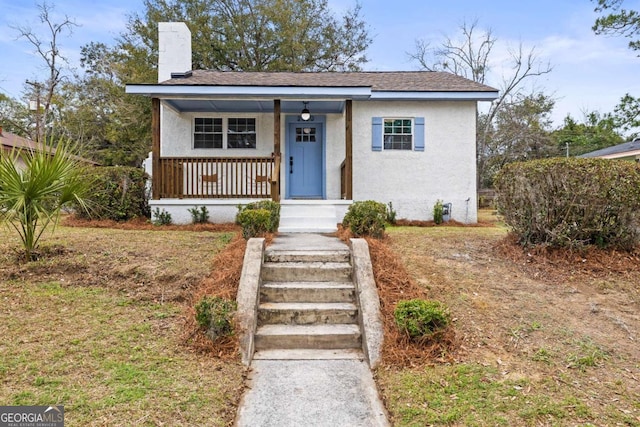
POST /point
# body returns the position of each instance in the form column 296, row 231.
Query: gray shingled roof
column 616, row 149
column 402, row 81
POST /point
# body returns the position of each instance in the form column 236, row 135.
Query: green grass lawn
column 110, row 356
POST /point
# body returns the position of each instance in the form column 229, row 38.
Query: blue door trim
column 317, row 120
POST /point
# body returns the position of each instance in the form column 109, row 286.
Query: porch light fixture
column 305, row 115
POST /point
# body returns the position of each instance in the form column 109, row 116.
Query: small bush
column 258, row 218
column 117, row 193
column 199, row 215
column 366, row 218
column 215, row 315
column 161, row 217
column 254, row 222
column 438, row 212
column 571, row 202
column 421, row 319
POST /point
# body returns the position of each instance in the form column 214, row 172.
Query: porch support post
column 155, row 150
column 275, row 180
column 348, row 122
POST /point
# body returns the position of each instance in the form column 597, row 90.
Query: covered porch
column 245, row 176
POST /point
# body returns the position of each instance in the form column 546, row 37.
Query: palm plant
column 32, row 195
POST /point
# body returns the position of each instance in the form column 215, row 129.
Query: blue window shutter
column 418, row 144
column 376, row 134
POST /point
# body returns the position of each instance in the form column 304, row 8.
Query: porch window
column 207, row 133
column 210, row 132
column 241, row 133
column 398, row 134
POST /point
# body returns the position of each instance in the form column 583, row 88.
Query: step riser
column 306, row 294
column 307, row 342
column 307, row 256
column 307, row 317
column 277, row 272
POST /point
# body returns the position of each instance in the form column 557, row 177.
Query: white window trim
column 225, row 130
column 413, row 133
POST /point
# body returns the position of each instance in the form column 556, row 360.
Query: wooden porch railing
column 219, row 177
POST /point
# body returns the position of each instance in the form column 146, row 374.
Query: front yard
column 542, row 340
column 98, row 325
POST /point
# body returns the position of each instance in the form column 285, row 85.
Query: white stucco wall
column 177, row 135
column 412, row 180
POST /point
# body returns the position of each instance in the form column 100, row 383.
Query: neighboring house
column 11, row 142
column 313, row 141
column 627, row 150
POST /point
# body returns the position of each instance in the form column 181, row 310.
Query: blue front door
column 305, row 160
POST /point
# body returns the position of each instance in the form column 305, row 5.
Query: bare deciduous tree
column 470, row 56
column 47, row 47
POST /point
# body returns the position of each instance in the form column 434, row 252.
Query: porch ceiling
column 253, row 106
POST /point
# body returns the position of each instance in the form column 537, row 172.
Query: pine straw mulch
column 145, row 224
column 223, row 281
column 395, row 284
column 451, row 223
column 556, row 264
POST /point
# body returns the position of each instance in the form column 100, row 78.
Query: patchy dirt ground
column 567, row 322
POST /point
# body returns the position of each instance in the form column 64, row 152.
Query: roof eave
column 172, row 91
column 435, row 95
column 284, row 92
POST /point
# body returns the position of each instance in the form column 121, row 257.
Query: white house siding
column 413, row 180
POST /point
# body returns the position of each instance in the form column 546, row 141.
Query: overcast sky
column 589, row 72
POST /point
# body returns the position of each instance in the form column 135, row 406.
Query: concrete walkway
column 332, row 393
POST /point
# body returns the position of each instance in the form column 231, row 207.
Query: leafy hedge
column 117, row 193
column 571, row 202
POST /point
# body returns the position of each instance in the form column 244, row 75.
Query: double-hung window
column 207, row 133
column 398, row 134
column 241, row 133
column 224, row 132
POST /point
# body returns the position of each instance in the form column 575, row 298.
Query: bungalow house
column 315, row 142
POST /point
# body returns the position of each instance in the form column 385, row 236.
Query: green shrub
column 117, row 193
column 199, row 215
column 438, row 212
column 215, row 315
column 571, row 202
column 366, row 218
column 161, row 217
column 421, row 319
column 258, row 218
column 254, row 222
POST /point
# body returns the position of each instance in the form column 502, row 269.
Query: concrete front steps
column 307, row 307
